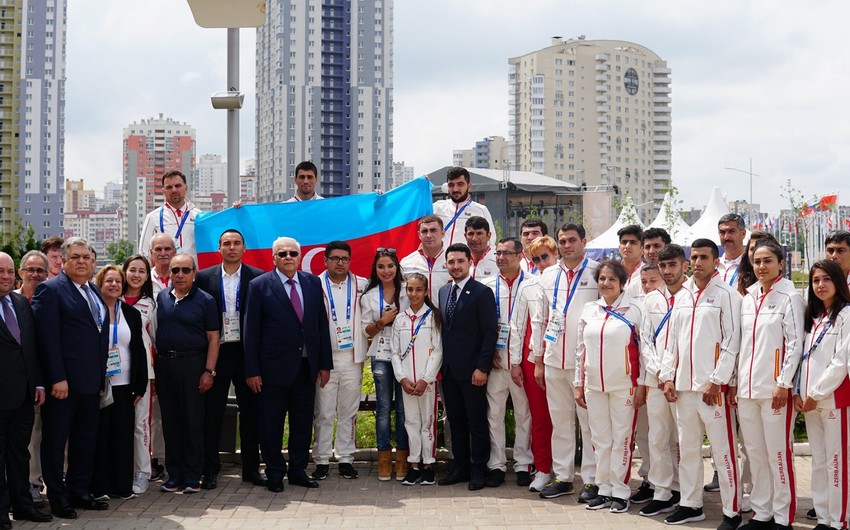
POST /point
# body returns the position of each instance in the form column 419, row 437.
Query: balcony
column 661, row 167
column 602, row 78
column 662, row 118
column 603, row 130
column 661, row 157
column 603, row 108
column 661, row 70
column 603, row 119
column 661, row 128
column 604, row 150
column 604, row 160
column 661, row 89
column 602, row 88
column 603, row 67
column 604, row 139
column 661, row 138
column 602, row 99
column 603, row 56
column 661, row 99
column 660, row 109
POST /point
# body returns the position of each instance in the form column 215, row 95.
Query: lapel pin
column 466, row 292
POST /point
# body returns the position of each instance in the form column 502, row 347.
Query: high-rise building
column 210, row 175
column 489, row 153
column 77, row 197
column 32, row 114
column 401, row 174
column 595, row 112
column 151, row 148
column 324, row 93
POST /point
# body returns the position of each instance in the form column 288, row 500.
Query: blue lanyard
column 331, row 298
column 812, row 349
column 115, row 325
column 415, row 333
column 97, row 305
column 663, row 321
column 224, row 299
column 179, row 228
column 732, row 281
column 571, row 287
column 511, row 303
column 380, row 299
column 624, row 320
column 457, row 214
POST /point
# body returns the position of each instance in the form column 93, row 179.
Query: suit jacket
column 469, row 340
column 138, row 354
column 209, row 280
column 274, row 338
column 20, row 370
column 69, row 344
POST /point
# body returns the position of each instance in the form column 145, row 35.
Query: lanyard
column 224, row 298
column 512, row 301
column 179, row 228
column 817, row 342
column 663, row 321
column 624, row 320
column 380, row 299
column 115, row 325
column 97, row 305
column 415, row 333
column 428, row 261
column 457, row 214
column 570, row 287
column 331, row 298
column 732, row 281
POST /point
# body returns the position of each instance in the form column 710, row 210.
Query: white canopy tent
column 706, row 225
column 608, row 239
column 672, row 222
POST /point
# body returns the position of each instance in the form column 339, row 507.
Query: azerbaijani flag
column 364, row 221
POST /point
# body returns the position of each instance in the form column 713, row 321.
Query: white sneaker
column 140, row 482
column 540, row 481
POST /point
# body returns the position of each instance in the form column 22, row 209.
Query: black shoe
column 301, row 479
column 685, row 515
column 819, row 526
column 427, row 477
column 275, row 486
column 812, row 514
column 714, row 485
column 494, row 479
column 63, row 509
column 88, row 503
column 412, row 477
column 676, row 497
column 157, row 470
column 454, row 477
column 588, row 493
column 321, row 472
column 657, row 507
column 556, row 488
column 347, row 471
column 255, row 478
column 730, row 523
column 782, row 527
column 523, row 479
column 32, row 515
column 477, row 482
column 754, row 524
column 643, row 494
column 5, row 523
column 209, row 482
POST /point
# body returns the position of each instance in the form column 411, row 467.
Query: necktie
column 11, row 321
column 95, row 312
column 296, row 300
column 450, row 310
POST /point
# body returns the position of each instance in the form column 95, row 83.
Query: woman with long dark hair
column 746, row 274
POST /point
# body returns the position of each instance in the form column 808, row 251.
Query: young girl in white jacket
column 417, row 355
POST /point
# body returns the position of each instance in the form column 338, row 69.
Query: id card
column 344, row 338
column 382, row 352
column 113, row 361
column 502, row 339
column 554, row 328
column 230, row 327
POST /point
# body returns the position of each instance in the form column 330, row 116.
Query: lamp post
column 750, row 205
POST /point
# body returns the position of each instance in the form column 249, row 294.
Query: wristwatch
column 211, row 372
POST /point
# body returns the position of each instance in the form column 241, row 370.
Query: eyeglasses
column 387, row 250
column 184, row 270
column 34, row 270
column 506, row 253
column 288, row 253
column 340, row 259
column 541, row 257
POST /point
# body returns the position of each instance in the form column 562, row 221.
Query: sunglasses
column 288, row 254
column 541, row 257
column 184, row 270
column 387, row 250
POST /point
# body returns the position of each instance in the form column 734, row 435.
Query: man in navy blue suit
column 469, row 331
column 287, row 347
column 72, row 324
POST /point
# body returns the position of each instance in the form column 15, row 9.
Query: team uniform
column 417, row 354
column 433, row 269
column 340, row 397
column 704, row 339
column 771, row 347
column 663, row 437
column 824, row 378
column 528, row 266
column 484, row 268
column 608, row 368
column 296, row 198
column 500, row 385
column 633, row 286
column 728, row 269
column 563, row 294
column 455, row 215
column 180, row 223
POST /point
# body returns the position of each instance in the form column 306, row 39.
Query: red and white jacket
column 705, row 336
column 527, row 318
column 655, row 332
column 437, row 273
column 147, row 307
column 506, row 296
column 561, row 354
column 824, row 370
column 425, row 357
column 485, row 267
column 339, row 291
column 772, row 336
column 608, row 352
column 447, row 209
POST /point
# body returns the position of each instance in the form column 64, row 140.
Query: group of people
column 131, row 371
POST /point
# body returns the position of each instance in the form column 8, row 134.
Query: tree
column 20, row 241
column 799, row 221
column 671, row 209
column 119, row 251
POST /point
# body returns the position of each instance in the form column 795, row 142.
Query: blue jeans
column 385, row 386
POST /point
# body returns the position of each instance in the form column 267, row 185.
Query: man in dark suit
column 469, row 330
column 21, row 382
column 72, row 325
column 228, row 285
column 287, row 346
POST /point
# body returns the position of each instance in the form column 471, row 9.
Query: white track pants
column 560, row 394
column 612, row 429
column 157, row 440
column 662, row 444
column 499, row 387
column 695, row 418
column 420, row 422
column 642, row 441
column 340, row 400
column 768, row 437
column 142, row 436
column 35, row 448
column 828, row 440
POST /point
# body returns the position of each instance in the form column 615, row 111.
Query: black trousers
column 466, row 406
column 182, row 407
column 276, row 402
column 113, row 471
column 15, row 431
column 74, row 421
column 231, row 368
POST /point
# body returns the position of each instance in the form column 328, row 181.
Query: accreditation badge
column 502, row 338
column 382, row 352
column 344, row 338
column 113, row 361
column 554, row 328
column 230, row 331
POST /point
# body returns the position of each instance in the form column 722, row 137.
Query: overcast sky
column 762, row 79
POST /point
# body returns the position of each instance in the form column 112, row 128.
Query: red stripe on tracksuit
column 789, row 457
column 844, row 466
column 730, row 437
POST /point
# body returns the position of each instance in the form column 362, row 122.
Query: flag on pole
column 364, row 221
column 829, row 202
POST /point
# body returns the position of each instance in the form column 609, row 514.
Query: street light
column 750, row 205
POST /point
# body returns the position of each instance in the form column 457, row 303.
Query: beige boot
column 401, row 463
column 385, row 465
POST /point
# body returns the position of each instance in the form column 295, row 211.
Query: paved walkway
column 368, row 503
